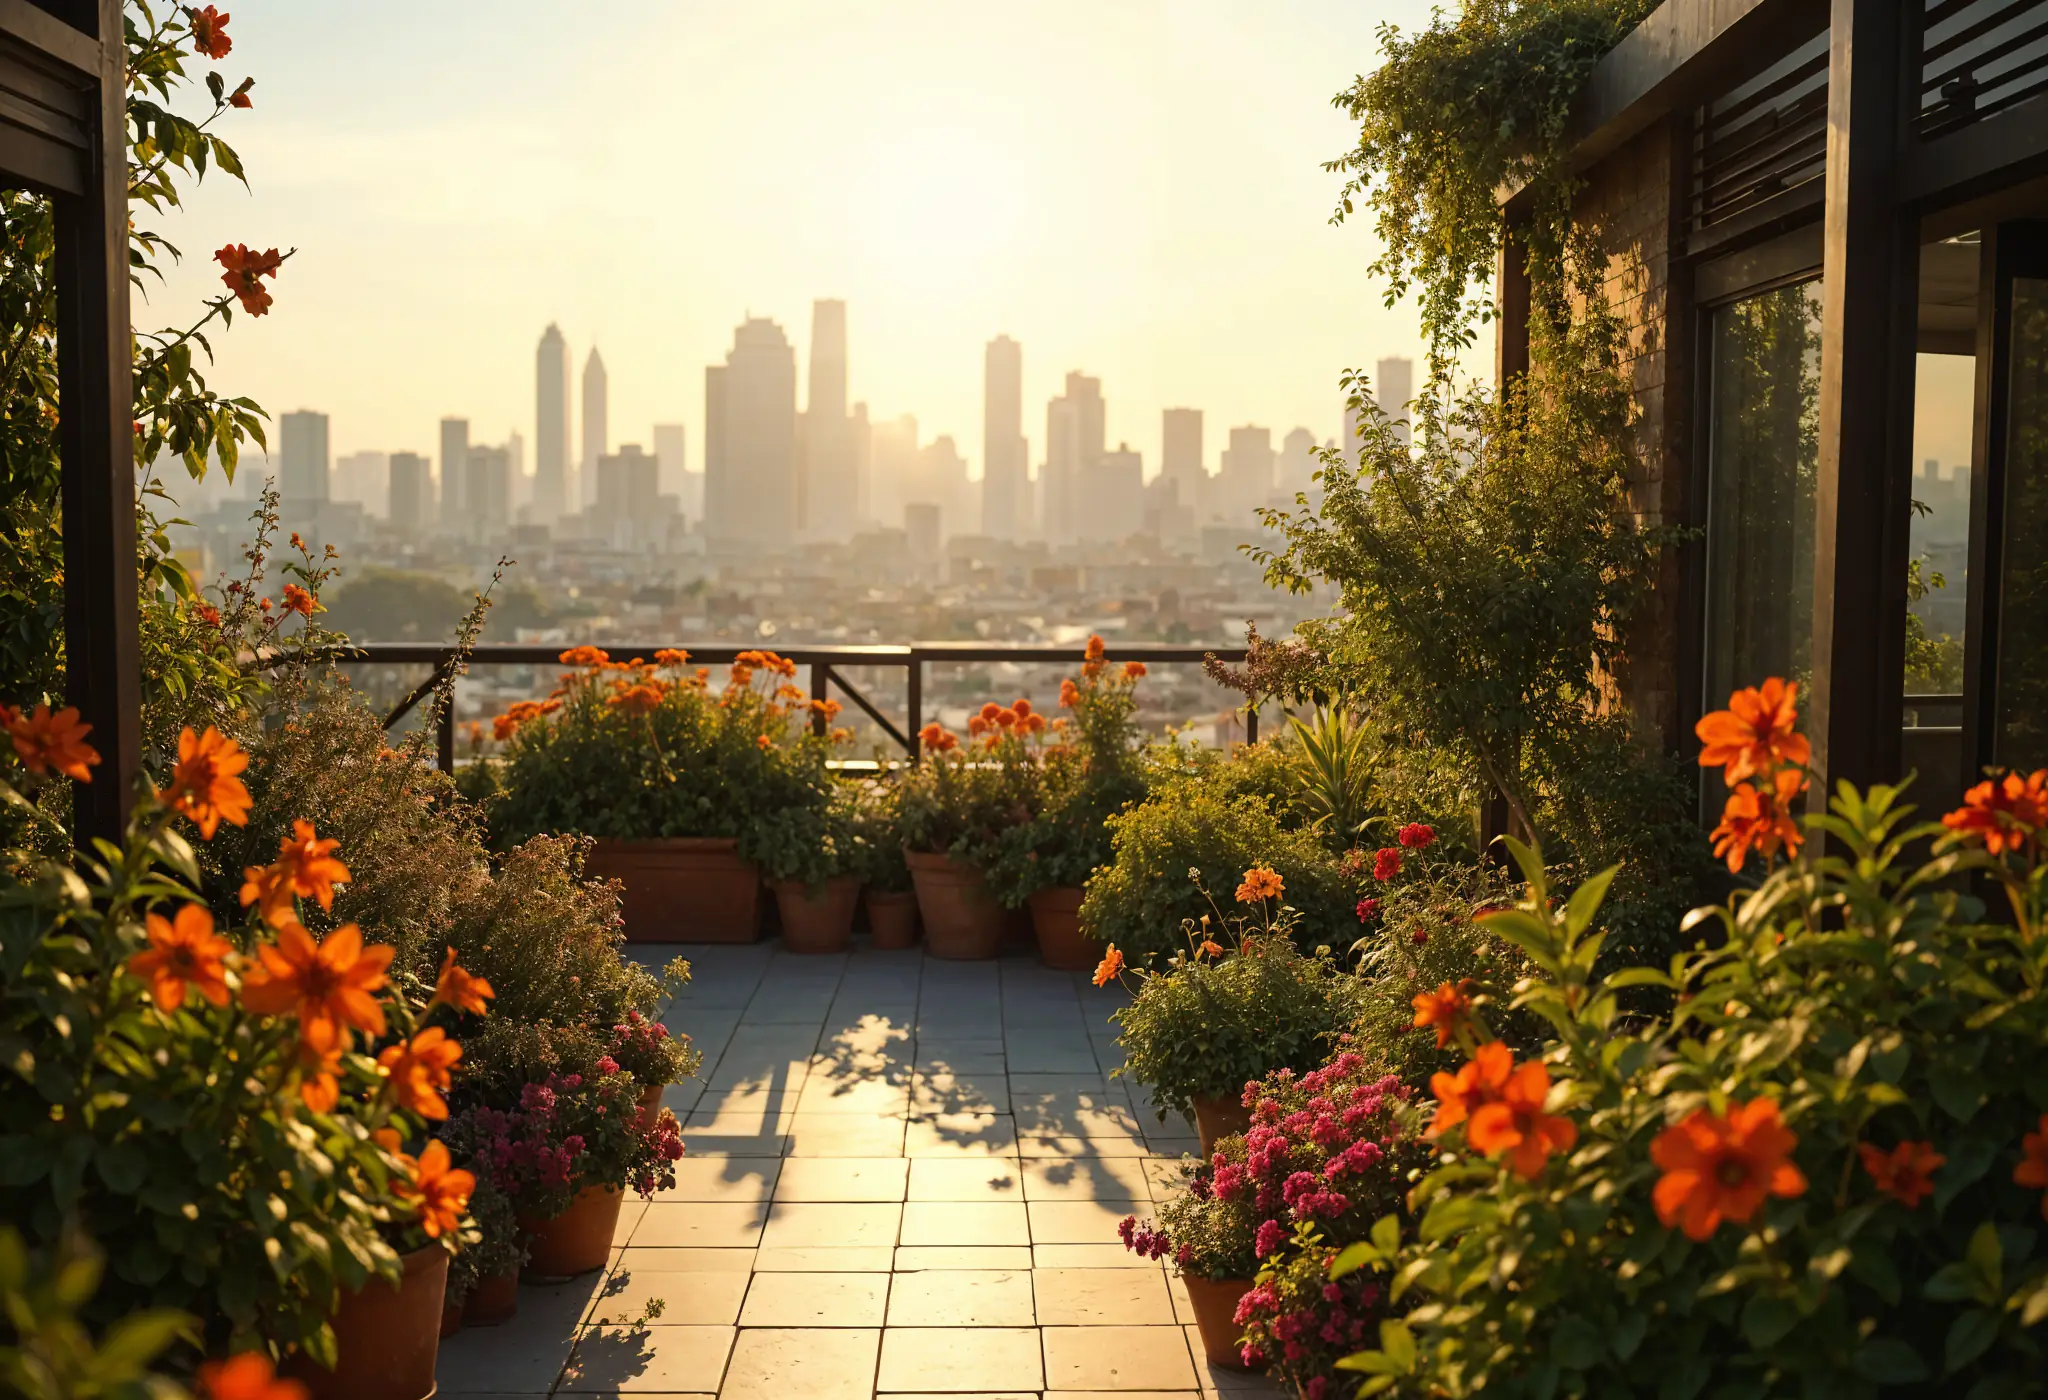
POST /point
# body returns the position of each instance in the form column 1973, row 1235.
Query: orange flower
column 1022, row 707
column 1070, row 694
column 210, row 33
column 1755, row 732
column 2032, row 1171
column 2005, row 813
column 934, row 736
column 669, row 656
column 588, row 657
column 459, row 989
column 304, row 869
column 1006, row 719
column 763, row 741
column 246, row 270
column 320, row 1050
column 1094, row 649
column 326, row 985
column 1481, row 1081
column 1517, row 1125
column 419, row 1071
column 440, row 1190
column 976, row 726
column 829, row 709
column 46, row 742
column 1760, row 821
column 298, row 600
column 1034, row 723
column 1210, row 949
column 203, row 782
column 1446, row 1008
column 1111, row 965
column 184, row 954
column 641, row 699
column 1134, row 670
column 240, row 96
column 246, row 1375
column 1718, row 1168
column 1260, row 883
column 1906, row 1173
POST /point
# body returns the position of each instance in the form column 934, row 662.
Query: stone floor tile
column 965, row 1223
column 676, row 1261
column 1118, row 1358
column 1086, row 1179
column 782, row 1067
column 961, row 1135
column 688, row 1297
column 1051, row 1057
column 1166, row 1177
column 967, row 1058
column 759, row 1118
column 830, row 1093
column 812, row 1224
column 754, row 1103
column 1240, row 1385
column 962, row 1298
column 827, row 1259
column 723, row 1142
column 956, row 1359
column 1123, row 1395
column 802, row 1363
column 506, row 1359
column 955, row 1091
column 842, row 1179
column 679, row 1099
column 816, row 1300
column 662, row 1360
column 1080, row 1222
column 1103, row 1298
column 844, row 1135
column 964, row 1179
column 1081, row 1146
column 1087, row 1256
column 966, row 1395
column 912, row 1258
column 700, row 1224
column 741, row 1180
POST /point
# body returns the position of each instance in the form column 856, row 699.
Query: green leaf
column 1628, row 1333
column 1353, row 1257
column 24, row 1158
column 1398, row 1343
column 1958, row 1091
column 1969, row 1337
column 1951, row 1283
column 1586, row 901
column 1987, row 1256
column 1684, row 1380
column 1888, row 1361
column 1766, row 1320
column 1577, row 1344
column 1968, row 1159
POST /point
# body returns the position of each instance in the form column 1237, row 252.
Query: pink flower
column 1269, row 1238
column 1367, row 909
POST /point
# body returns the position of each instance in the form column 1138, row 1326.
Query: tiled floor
column 904, row 1178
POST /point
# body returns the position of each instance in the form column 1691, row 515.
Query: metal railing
column 824, row 662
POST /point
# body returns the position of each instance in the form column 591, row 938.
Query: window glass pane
column 2021, row 736
column 1763, row 452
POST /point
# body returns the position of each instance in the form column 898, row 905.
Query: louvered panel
column 1762, row 139
column 44, row 131
column 1979, row 57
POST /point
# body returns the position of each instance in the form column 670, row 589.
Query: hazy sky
column 1128, row 187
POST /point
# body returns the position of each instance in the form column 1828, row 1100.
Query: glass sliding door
column 2019, row 722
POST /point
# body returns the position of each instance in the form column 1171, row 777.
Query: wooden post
column 1868, row 310
column 914, row 703
column 821, row 678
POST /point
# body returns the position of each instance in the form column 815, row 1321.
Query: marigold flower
column 203, row 782
column 1070, row 694
column 670, row 656
column 1022, row 707
column 210, row 33
column 184, row 954
column 1260, row 882
column 1760, row 821
column 989, row 711
column 2005, row 813
column 459, row 989
column 588, row 657
column 247, row 1375
column 1006, row 719
column 1095, row 648
column 1479, row 1082
column 246, row 270
column 439, row 1189
column 937, row 738
column 762, row 741
column 788, row 693
column 46, row 742
column 298, row 600
column 1416, row 835
column 641, row 699
column 305, row 868
column 326, row 985
column 2032, row 1172
column 1906, row 1173
column 1034, row 723
column 1386, row 863
column 1447, row 1008
column 208, row 614
column 1755, row 733
column 1517, row 1125
column 1134, row 670
column 1721, row 1168
column 829, row 709
column 1111, row 965
column 976, row 726
column 420, row 1070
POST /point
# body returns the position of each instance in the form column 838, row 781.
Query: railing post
column 821, row 677
column 444, row 733
column 914, row 703
column 1251, row 722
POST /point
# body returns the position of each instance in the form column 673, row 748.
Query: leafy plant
column 1333, row 770
column 875, row 834
column 49, row 1354
column 960, row 799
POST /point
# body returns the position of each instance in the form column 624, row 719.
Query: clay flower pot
column 492, row 1300
column 683, row 889
column 650, row 1106
column 817, row 919
column 1056, row 920
column 579, row 1240
column 1217, row 1118
column 892, row 918
column 1215, row 1301
column 387, row 1338
column 451, row 1317
column 961, row 917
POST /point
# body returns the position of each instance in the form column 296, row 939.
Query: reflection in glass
column 1763, row 454
column 1937, row 579
column 2021, row 727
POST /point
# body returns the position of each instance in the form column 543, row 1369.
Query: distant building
column 596, row 423
column 940, row 479
column 1298, row 463
column 1114, row 496
column 750, row 440
column 454, row 471
column 487, row 494
column 1394, row 387
column 863, row 467
column 1074, row 433
column 302, row 475
column 628, row 510
column 360, row 477
column 554, row 493
column 828, row 488
column 676, row 477
column 410, row 495
column 1005, row 454
column 1247, row 476
column 892, row 466
column 921, row 520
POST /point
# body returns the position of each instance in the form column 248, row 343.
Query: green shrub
column 875, row 834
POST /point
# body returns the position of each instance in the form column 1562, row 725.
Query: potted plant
column 646, row 1050
column 675, row 780
column 954, row 806
column 1239, row 1001
column 807, row 854
column 875, row 836
column 483, row 1280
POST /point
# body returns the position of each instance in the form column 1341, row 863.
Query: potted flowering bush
column 875, row 835
column 953, row 807
column 646, row 1050
column 1236, row 1003
column 675, row 780
column 808, row 855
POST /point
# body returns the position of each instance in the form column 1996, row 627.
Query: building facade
column 750, row 435
column 1075, row 431
column 554, row 492
column 597, row 438
column 302, row 478
column 1005, row 453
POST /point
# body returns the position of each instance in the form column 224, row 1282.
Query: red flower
column 210, row 33
column 1760, row 821
column 1094, row 649
column 1755, row 733
column 240, row 96
column 2005, row 813
column 1134, row 670
column 1417, row 835
column 246, row 1375
column 245, row 271
column 1906, row 1173
column 1386, row 864
column 1721, row 1168
column 1022, row 707
column 1070, row 694
column 1367, row 908
column 2032, row 1172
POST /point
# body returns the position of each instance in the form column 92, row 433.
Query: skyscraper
column 940, row 479
column 411, row 500
column 828, row 486
column 553, row 474
column 1180, row 458
column 302, row 476
column 1114, row 496
column 1004, row 452
column 1298, row 463
column 750, row 439
column 1074, row 432
column 1247, row 476
column 487, row 493
column 628, row 509
column 892, row 467
column 596, row 426
column 454, row 471
column 1393, row 387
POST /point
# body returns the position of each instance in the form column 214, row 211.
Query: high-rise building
column 892, row 466
column 487, row 494
column 1298, row 463
column 939, row 478
column 454, row 471
column 922, row 523
column 596, row 425
column 669, row 444
column 628, row 508
column 1114, row 496
column 1247, row 476
column 302, row 477
column 828, row 486
column 863, row 465
column 1005, row 454
column 411, row 498
column 359, row 477
column 1180, row 458
column 553, row 468
column 1074, row 431
column 750, row 439
column 1394, row 386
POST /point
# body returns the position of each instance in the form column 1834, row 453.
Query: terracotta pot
column 820, row 919
column 1056, row 920
column 388, row 1339
column 451, row 1317
column 961, row 917
column 492, row 1300
column 579, row 1240
column 650, row 1106
column 1217, row 1118
column 1019, row 936
column 892, row 918
column 1215, row 1302
column 683, row 889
